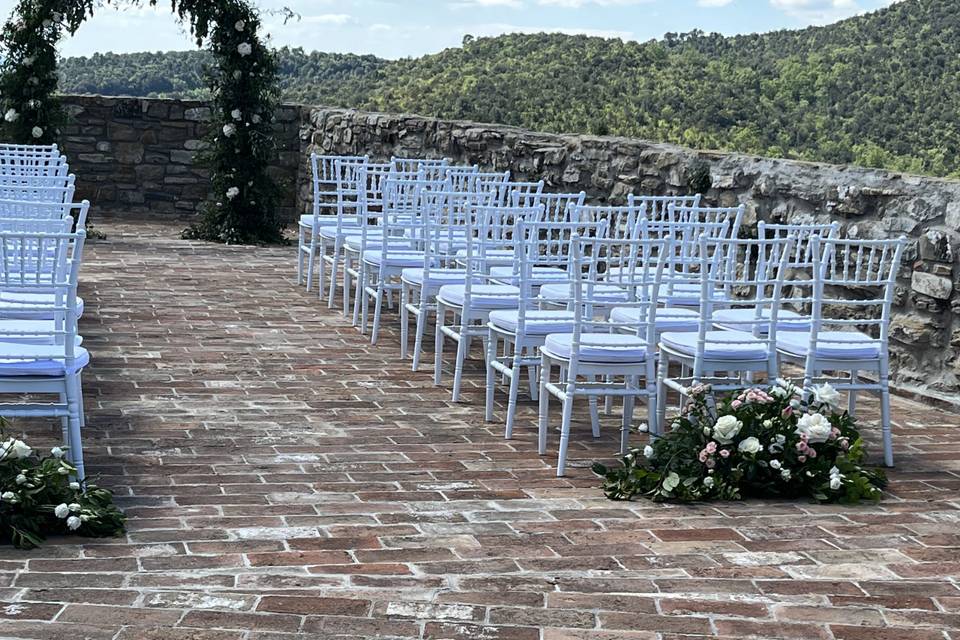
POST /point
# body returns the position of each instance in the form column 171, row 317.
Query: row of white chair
column 41, row 248
column 508, row 263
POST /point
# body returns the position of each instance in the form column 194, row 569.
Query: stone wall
column 135, row 156
column 868, row 204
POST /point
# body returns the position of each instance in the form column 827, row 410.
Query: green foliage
column 38, row 497
column 29, row 111
column 758, row 444
column 243, row 86
column 878, row 89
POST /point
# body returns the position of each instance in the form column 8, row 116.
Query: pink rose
column 812, row 453
column 711, row 463
column 788, row 412
column 736, row 404
column 802, row 458
column 703, row 456
column 711, row 447
column 724, row 453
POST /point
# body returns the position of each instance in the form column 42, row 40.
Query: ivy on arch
column 244, row 197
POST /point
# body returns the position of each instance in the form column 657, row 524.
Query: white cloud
column 713, row 3
column 576, row 4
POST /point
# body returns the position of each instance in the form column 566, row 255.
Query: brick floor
column 285, row 480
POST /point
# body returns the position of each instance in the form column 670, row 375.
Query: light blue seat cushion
column 24, row 305
column 437, row 277
column 39, row 360
column 540, row 275
column 833, row 345
column 482, row 296
column 598, row 348
column 325, row 221
column 563, row 292
column 536, row 322
column 667, row 319
column 720, row 345
column 394, row 258
column 735, row 319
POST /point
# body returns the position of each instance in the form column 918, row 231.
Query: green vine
column 243, row 207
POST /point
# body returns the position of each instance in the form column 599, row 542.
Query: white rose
column 816, row 427
column 11, row 115
column 74, row 507
column 671, row 482
column 28, row 61
column 75, row 486
column 648, row 451
column 8, row 495
column 244, row 49
column 21, row 479
column 240, row 25
column 73, row 523
column 835, row 483
column 56, row 452
column 708, row 482
column 256, row 119
column 37, row 132
column 17, row 449
column 233, row 192
column 826, row 394
column 64, row 471
column 57, row 16
column 785, row 474
column 767, row 424
column 750, row 445
column 236, row 114
column 237, row 74
column 229, row 130
column 61, row 511
column 775, row 464
column 47, row 23
column 726, row 429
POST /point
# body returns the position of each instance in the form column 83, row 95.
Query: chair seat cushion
column 536, row 322
column 356, row 243
column 686, row 294
column 24, row 305
column 598, row 348
column 667, row 319
column 29, row 332
column 39, row 360
column 325, row 222
column 394, row 258
column 834, row 345
column 540, row 275
column 737, row 319
column 564, row 291
column 482, row 296
column 436, row 277
column 347, row 228
column 492, row 257
column 719, row 345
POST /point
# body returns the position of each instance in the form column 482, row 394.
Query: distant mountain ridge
column 881, row 89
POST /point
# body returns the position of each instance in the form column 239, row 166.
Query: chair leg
column 438, row 346
column 565, row 431
column 852, row 396
column 532, row 378
column 404, row 321
column 73, row 409
column 311, row 264
column 300, row 244
column 65, row 425
column 334, row 266
column 594, row 402
column 608, row 400
column 361, row 294
column 378, row 308
column 628, row 402
column 462, row 345
column 885, row 425
column 516, row 372
column 658, row 426
column 321, row 250
column 544, row 407
column 422, row 318
column 490, row 379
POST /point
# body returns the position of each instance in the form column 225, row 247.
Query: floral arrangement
column 243, row 208
column 39, row 496
column 31, row 112
column 764, row 443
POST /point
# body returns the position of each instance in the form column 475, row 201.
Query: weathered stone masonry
column 134, row 157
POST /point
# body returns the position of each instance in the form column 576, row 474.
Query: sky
column 401, row 28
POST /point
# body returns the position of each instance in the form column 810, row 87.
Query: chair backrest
column 16, row 209
column 430, row 166
column 40, row 167
column 557, row 207
column 24, row 193
column 656, row 208
column 854, row 287
column 36, row 225
column 44, row 263
column 509, row 192
column 32, row 181
column 38, row 149
column 687, row 214
column 325, row 171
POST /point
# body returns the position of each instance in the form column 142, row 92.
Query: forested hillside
column 880, row 90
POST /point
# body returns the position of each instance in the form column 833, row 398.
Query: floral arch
column 244, row 198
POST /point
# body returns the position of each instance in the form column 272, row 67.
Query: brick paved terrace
column 286, row 480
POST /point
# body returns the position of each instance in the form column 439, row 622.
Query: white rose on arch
column 11, row 115
column 229, row 130
column 244, row 49
column 236, row 114
column 826, row 394
column 240, row 25
column 750, row 445
column 816, row 427
column 726, row 429
column 37, row 132
column 233, row 192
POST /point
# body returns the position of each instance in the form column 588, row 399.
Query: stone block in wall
column 181, row 157
column 198, row 114
column 937, row 287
